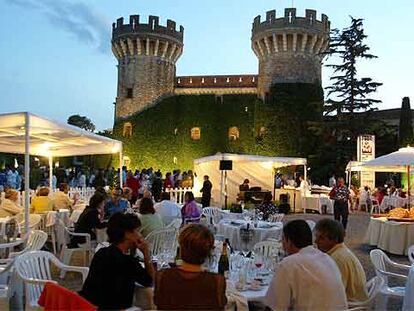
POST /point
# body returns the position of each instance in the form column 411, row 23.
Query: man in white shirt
column 167, row 209
column 307, row 279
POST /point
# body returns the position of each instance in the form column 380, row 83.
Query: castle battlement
column 290, row 20
column 119, row 29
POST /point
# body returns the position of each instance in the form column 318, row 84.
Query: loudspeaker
column 226, row 165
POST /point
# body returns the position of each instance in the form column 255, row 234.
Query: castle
column 289, row 50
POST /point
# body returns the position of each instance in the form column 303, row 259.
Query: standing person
column 332, row 181
column 133, row 184
column 307, row 279
column 329, row 237
column 341, row 195
column 206, row 191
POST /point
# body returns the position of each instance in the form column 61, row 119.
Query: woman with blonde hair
column 41, row 203
column 10, row 207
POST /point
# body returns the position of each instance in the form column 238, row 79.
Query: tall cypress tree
column 405, row 133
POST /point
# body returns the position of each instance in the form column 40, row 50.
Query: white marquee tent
column 29, row 134
column 260, row 171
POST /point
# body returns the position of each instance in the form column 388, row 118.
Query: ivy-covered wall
column 162, row 133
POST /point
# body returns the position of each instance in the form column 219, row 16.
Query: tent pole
column 305, row 173
column 26, row 170
column 51, row 173
column 121, row 164
column 408, row 190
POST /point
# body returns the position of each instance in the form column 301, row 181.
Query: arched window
column 127, row 161
column 195, row 133
column 262, row 132
column 234, row 133
column 127, row 130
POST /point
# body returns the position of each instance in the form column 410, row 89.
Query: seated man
column 307, row 279
column 61, row 198
column 167, row 209
column 116, row 204
column 329, row 237
column 244, row 186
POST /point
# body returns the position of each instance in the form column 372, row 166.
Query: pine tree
column 405, row 133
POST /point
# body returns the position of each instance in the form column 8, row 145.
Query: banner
column 366, row 152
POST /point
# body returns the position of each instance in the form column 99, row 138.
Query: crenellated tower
column 289, row 48
column 147, row 54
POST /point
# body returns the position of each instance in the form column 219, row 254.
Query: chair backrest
column 163, row 240
column 212, row 214
column 34, row 265
column 311, row 224
column 379, row 259
column 411, row 254
column 36, row 241
column 373, row 287
column 176, row 224
column 192, row 220
column 34, row 222
column 267, row 248
column 9, row 230
column 276, row 217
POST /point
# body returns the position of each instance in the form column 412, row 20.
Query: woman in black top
column 112, row 275
column 90, row 219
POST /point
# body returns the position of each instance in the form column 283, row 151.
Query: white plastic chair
column 66, row 253
column 373, row 288
column 212, row 214
column 381, row 263
column 6, row 287
column 192, row 220
column 34, row 269
column 276, row 217
column 267, row 248
column 176, row 224
column 375, row 205
column 35, row 241
column 411, row 254
column 34, row 223
column 163, row 240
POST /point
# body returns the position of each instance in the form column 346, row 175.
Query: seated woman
column 41, row 203
column 267, row 207
column 190, row 211
column 203, row 290
column 150, row 220
column 113, row 272
column 91, row 219
column 10, row 207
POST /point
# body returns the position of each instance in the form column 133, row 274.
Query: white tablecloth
column 408, row 304
column 393, row 201
column 316, row 202
column 232, row 231
column 226, row 214
column 391, row 236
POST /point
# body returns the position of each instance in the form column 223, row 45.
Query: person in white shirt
column 332, row 181
column 167, row 209
column 307, row 279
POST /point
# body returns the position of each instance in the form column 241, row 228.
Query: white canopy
column 50, row 138
column 403, row 157
column 29, row 134
column 355, row 166
column 259, row 170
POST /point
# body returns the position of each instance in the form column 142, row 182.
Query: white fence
column 177, row 194
column 84, row 194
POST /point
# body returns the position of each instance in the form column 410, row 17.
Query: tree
column 405, row 133
column 348, row 93
column 82, row 122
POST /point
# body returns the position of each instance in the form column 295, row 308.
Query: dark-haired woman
column 188, row 287
column 90, row 219
column 113, row 272
column 190, row 211
column 150, row 220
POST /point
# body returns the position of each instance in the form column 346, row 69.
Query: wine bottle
column 229, row 246
column 223, row 264
column 178, row 260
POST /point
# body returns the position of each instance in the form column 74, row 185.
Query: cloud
column 75, row 18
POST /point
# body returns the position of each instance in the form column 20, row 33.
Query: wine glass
column 258, row 262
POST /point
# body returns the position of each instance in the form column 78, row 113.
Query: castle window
column 175, row 131
column 179, row 81
column 253, row 79
column 127, row 161
column 127, row 130
column 195, row 133
column 215, row 80
column 262, row 132
column 234, row 133
column 191, row 80
column 240, row 79
column 202, row 80
column 228, row 80
column 130, row 93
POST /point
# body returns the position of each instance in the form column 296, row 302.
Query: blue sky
column 55, row 56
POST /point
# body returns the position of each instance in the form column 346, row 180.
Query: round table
column 230, row 229
column 391, row 236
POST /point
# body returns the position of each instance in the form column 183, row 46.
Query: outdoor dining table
column 392, row 236
column 230, row 229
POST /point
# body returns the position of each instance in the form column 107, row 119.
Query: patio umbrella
column 404, row 157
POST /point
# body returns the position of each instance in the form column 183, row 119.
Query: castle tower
column 147, row 54
column 289, row 48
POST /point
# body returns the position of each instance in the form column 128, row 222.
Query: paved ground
column 358, row 224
